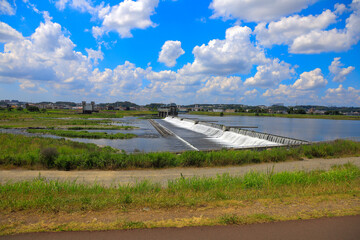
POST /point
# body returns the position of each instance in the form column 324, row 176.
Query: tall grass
column 19, row 150
column 52, row 196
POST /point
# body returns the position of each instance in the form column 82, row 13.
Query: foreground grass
column 38, row 152
column 223, row 200
column 54, row 196
column 312, row 116
column 82, row 134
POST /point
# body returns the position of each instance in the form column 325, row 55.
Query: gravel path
column 162, row 176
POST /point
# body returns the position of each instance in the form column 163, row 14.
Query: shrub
column 33, row 109
column 48, row 156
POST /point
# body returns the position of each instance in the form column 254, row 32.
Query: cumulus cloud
column 306, row 85
column 31, row 86
column 47, row 55
column 8, row 34
column 309, row 34
column 257, row 10
column 270, row 74
column 96, row 55
column 342, row 96
column 338, row 72
column 221, row 85
column 251, row 93
column 170, row 51
column 310, row 80
column 6, row 8
column 235, row 54
column 125, row 16
column 287, row 29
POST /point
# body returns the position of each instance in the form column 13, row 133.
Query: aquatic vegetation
column 82, row 134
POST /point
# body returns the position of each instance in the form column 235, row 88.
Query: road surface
column 344, row 228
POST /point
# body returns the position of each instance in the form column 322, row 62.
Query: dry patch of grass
column 218, row 213
column 44, row 205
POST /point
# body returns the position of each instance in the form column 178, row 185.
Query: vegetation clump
column 83, row 134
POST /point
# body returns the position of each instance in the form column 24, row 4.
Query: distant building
column 218, row 110
column 88, row 108
column 168, row 110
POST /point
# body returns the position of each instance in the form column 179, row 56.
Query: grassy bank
column 312, row 116
column 56, row 118
column 37, row 152
column 101, row 127
column 47, row 205
column 54, row 196
column 82, row 134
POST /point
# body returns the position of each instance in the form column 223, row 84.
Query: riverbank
column 310, row 116
column 47, row 205
column 18, row 151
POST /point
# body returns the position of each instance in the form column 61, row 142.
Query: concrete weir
column 279, row 140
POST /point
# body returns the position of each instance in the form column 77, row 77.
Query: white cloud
column 342, row 96
column 235, row 54
column 221, row 86
column 47, row 55
column 340, row 8
column 95, row 55
column 310, row 34
column 125, row 16
column 334, row 40
column 81, row 5
column 289, row 28
column 8, row 34
column 31, row 86
column 310, row 80
column 304, row 89
column 251, row 93
column 163, row 76
column 270, row 74
column 6, row 8
column 257, row 10
column 123, row 80
column 170, row 51
column 338, row 72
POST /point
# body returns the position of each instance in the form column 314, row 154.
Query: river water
column 189, row 138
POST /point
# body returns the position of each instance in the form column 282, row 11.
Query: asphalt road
column 162, row 176
column 339, row 228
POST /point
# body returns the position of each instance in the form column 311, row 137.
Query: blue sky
column 234, row 51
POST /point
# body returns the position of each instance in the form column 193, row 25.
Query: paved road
column 162, row 176
column 344, row 228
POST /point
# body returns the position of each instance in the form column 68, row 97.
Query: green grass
column 313, row 116
column 102, row 127
column 56, row 118
column 53, row 196
column 29, row 152
column 83, row 134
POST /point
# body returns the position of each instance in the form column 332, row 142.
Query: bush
column 48, row 156
column 33, row 109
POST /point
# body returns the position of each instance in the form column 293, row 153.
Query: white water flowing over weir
column 227, row 138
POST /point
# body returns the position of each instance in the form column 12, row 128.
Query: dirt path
column 162, row 176
column 344, row 228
